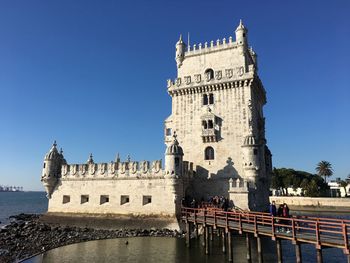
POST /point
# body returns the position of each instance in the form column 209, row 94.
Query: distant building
column 215, row 138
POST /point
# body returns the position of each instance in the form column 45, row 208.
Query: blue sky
column 92, row 75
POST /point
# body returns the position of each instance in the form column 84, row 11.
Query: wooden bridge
column 322, row 232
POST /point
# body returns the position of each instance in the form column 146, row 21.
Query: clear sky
column 92, row 75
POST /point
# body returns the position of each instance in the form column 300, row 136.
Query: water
column 161, row 249
column 153, row 249
column 13, row 203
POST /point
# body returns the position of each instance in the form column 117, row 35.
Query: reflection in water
column 162, row 249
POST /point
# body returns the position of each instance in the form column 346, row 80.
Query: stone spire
column 241, row 34
column 180, row 52
column 90, row 160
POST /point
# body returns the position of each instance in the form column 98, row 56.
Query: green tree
column 324, row 169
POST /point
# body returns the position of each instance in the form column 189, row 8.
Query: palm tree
column 344, row 184
column 324, row 169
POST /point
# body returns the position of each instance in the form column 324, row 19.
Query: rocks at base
column 26, row 236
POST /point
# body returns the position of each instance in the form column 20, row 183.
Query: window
column 84, row 199
column 147, row 199
column 255, row 151
column 205, row 99
column 209, row 153
column 104, row 199
column 177, row 161
column 124, row 199
column 168, row 132
column 66, row 199
column 44, row 165
column 210, row 124
column 204, row 124
column 211, row 98
column 209, row 73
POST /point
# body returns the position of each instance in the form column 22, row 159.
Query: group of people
column 213, row 201
column 281, row 212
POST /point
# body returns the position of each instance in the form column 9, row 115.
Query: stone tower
column 217, row 113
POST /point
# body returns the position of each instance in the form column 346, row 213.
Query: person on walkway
column 279, row 220
column 273, row 209
column 285, row 213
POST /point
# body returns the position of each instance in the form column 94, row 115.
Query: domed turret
column 173, row 158
column 90, row 160
column 180, row 52
column 251, row 150
column 52, row 169
column 241, row 35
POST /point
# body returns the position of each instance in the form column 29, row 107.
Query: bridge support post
column 298, row 252
column 259, row 247
column 249, row 251
column 319, row 255
column 229, row 245
column 196, row 227
column 188, row 234
column 206, row 239
column 223, row 242
column 211, row 233
column 279, row 250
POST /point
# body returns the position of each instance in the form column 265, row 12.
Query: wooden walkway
column 322, row 232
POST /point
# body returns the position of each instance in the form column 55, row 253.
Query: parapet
column 212, row 46
column 113, row 170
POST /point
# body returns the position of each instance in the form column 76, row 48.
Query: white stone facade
column 217, row 118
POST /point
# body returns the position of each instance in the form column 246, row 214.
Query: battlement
column 212, row 46
column 237, row 74
column 131, row 169
column 113, row 170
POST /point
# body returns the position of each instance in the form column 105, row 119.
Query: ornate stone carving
column 73, row 169
column 198, row 78
column 122, row 167
column 92, row 168
column 111, row 167
column 102, row 168
column 218, row 74
column 156, row 166
column 188, row 80
column 144, row 167
column 133, row 167
column 82, row 169
column 178, row 82
column 64, row 169
column 229, row 73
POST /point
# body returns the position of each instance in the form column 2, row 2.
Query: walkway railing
column 322, row 232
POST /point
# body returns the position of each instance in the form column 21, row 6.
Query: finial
column 240, row 22
column 54, row 143
column 117, row 158
column 128, row 158
column 175, row 138
column 61, row 151
column 180, row 38
column 90, row 160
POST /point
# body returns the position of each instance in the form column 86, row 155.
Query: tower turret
column 52, row 169
column 180, row 52
column 241, row 35
column 173, row 159
column 251, row 164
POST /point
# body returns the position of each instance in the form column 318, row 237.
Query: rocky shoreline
column 27, row 235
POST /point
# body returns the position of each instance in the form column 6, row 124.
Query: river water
column 153, row 249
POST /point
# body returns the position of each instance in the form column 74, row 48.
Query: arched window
column 205, row 99
column 209, row 153
column 204, row 124
column 209, row 73
column 211, row 98
column 210, row 124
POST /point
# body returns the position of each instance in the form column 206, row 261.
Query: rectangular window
column 211, row 98
column 124, row 199
column 147, row 199
column 104, row 199
column 84, row 199
column 168, row 132
column 66, row 199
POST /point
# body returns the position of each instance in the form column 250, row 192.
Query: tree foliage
column 324, row 169
column 311, row 184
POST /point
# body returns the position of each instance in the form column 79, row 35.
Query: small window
column 124, row 199
column 44, row 165
column 104, row 199
column 205, row 99
column 255, row 151
column 168, row 132
column 210, row 124
column 147, row 199
column 209, row 73
column 66, row 199
column 204, row 124
column 211, row 98
column 209, row 153
column 84, row 199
